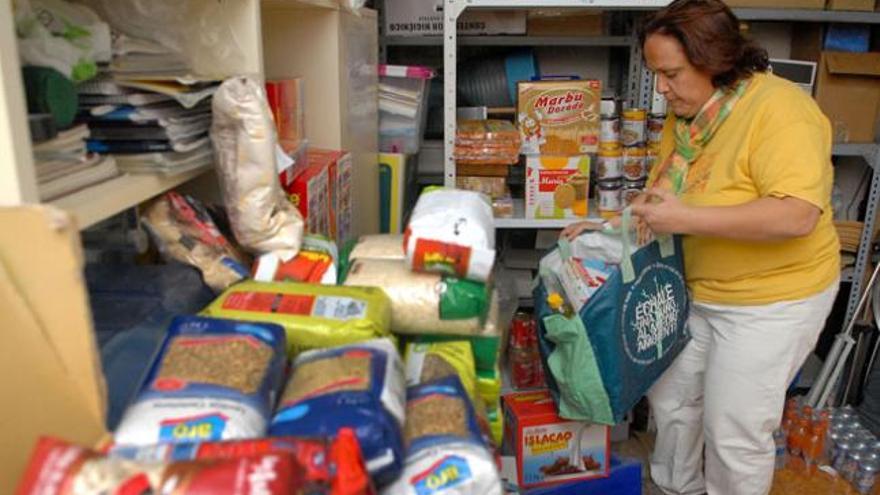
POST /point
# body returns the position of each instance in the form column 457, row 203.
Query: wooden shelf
column 101, row 201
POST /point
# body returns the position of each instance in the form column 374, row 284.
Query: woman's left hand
column 663, row 213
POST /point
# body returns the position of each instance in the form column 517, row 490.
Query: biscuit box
column 339, row 169
column 310, row 193
column 559, row 117
column 550, row 449
column 557, row 186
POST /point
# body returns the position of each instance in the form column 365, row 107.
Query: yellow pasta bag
column 314, row 316
column 425, row 362
column 489, row 386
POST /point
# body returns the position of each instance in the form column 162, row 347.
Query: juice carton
column 550, row 449
column 310, row 193
column 339, row 167
column 557, row 186
column 559, row 117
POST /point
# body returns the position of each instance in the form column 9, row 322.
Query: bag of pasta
column 358, row 386
column 211, row 380
column 314, row 316
column 426, row 362
column 445, row 451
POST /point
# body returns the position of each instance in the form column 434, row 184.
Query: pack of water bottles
column 830, row 442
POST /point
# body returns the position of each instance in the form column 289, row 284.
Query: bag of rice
column 314, row 316
column 445, row 452
column 378, row 247
column 211, row 380
column 451, row 232
column 330, row 466
column 431, row 361
column 357, row 386
column 57, row 467
column 314, row 264
column 424, row 302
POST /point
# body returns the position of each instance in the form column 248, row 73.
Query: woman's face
column 685, row 87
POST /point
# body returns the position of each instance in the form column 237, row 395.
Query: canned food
column 609, row 164
column 851, row 467
column 632, row 129
column 841, row 451
column 866, row 476
column 655, row 127
column 609, row 131
column 631, row 190
column 610, row 197
column 634, row 163
column 651, row 158
column 608, row 107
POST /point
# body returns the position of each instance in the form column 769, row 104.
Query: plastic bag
column 57, row 467
column 244, row 141
column 358, row 386
column 333, row 466
column 314, row 264
column 426, row 362
column 378, row 247
column 314, row 316
column 424, row 303
column 65, row 36
column 452, row 232
column 211, row 380
column 445, row 450
column 184, row 231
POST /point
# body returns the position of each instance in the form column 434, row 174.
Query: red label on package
column 441, row 257
column 270, row 302
column 549, row 180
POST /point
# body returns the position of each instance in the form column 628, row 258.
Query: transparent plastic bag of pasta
column 357, row 386
column 452, row 232
column 445, row 452
column 332, row 466
column 211, row 380
column 314, row 316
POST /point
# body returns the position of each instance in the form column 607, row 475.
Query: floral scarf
column 692, row 135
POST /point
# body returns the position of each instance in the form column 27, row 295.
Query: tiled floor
column 639, row 446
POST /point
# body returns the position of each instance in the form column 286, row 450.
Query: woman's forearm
column 764, row 219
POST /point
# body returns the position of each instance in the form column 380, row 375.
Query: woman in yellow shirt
column 745, row 175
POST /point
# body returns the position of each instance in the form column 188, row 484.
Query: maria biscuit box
column 550, row 449
column 559, row 117
column 557, row 186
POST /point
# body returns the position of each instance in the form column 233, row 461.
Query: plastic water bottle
column 780, row 440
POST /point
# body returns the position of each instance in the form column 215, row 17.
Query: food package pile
column 487, row 142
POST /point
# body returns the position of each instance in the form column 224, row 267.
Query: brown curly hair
column 709, row 32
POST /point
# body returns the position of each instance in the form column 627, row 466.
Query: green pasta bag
column 314, row 316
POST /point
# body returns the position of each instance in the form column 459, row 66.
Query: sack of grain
column 211, row 380
column 452, row 232
column 357, row 386
column 444, row 448
column 426, row 362
column 425, row 303
column 57, row 467
column 378, row 247
column 331, row 466
column 314, row 264
column 314, row 316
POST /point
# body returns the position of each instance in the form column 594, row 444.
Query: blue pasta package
column 211, row 380
column 445, row 451
column 359, row 386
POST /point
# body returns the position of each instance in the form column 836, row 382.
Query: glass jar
column 634, row 163
column 609, row 164
column 633, row 127
column 610, row 197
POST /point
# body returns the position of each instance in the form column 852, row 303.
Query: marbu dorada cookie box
column 550, row 449
column 559, row 117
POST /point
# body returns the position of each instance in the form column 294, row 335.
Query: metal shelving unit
column 806, row 15
column 621, row 41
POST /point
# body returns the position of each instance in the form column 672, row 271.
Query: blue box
column 625, row 479
column 855, row 38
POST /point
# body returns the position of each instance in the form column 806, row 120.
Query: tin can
column 632, row 129
column 866, row 476
column 608, row 107
column 609, row 164
column 839, row 456
column 651, row 157
column 655, row 127
column 634, row 163
column 609, row 132
column 851, row 466
column 631, row 190
column 610, row 197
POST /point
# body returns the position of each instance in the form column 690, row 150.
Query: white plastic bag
column 452, row 232
column 243, row 133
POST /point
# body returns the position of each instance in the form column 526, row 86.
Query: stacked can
column 634, row 137
column 655, row 134
column 855, row 450
column 609, row 164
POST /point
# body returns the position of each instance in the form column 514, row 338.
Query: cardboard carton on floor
column 425, row 18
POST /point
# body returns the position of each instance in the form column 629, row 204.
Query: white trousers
column 726, row 392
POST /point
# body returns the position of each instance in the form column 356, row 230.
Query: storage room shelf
column 519, row 220
column 864, row 150
column 599, row 4
column 101, row 201
column 301, row 4
column 805, row 15
column 623, row 41
column 846, row 274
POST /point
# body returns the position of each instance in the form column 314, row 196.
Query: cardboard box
column 339, row 169
column 863, row 5
column 285, row 98
column 547, row 446
column 310, row 193
column 494, row 187
column 777, row 4
column 53, row 384
column 565, row 22
column 559, row 117
column 557, row 186
column 425, row 18
column 482, row 169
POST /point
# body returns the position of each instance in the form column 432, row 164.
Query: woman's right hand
column 573, row 230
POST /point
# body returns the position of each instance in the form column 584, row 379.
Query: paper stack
column 63, row 165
